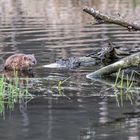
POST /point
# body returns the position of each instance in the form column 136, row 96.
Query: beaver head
column 29, row 59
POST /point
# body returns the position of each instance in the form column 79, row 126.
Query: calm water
column 53, row 29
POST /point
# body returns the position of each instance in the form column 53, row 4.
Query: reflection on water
column 53, row 29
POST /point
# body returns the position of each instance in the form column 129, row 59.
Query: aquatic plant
column 123, row 87
column 59, row 87
column 11, row 93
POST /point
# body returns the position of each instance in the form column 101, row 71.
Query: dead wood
column 130, row 61
column 102, row 18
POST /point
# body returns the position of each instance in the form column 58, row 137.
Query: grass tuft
column 123, row 87
column 11, row 93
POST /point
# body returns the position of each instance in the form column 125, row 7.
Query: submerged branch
column 102, row 18
column 130, row 61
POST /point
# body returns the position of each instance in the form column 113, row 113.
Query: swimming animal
column 20, row 62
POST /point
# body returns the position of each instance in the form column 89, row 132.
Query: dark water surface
column 53, row 29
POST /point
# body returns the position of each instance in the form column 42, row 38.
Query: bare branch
column 102, row 18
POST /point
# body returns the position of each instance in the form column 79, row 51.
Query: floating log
column 107, row 55
column 102, row 18
column 73, row 62
column 129, row 61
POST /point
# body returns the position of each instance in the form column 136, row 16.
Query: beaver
column 20, row 62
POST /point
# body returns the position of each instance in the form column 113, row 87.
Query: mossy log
column 73, row 62
column 129, row 61
column 107, row 55
column 102, row 18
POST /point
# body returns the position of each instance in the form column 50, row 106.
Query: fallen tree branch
column 102, row 18
column 130, row 61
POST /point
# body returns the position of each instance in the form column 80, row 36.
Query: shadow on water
column 84, row 109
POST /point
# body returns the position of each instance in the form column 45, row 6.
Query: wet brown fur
column 20, row 62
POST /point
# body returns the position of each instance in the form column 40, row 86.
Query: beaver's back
column 20, row 62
